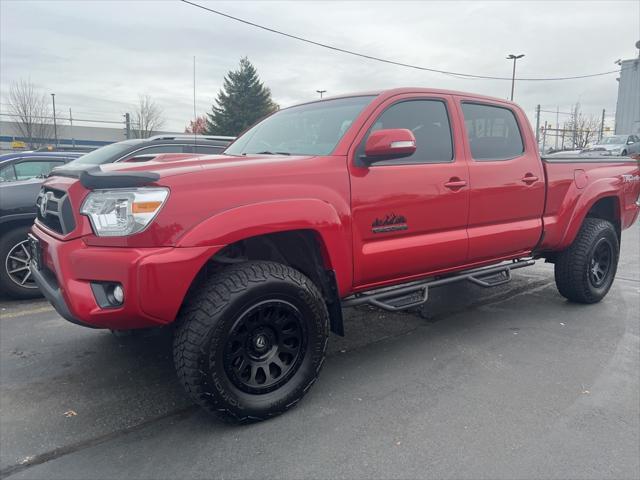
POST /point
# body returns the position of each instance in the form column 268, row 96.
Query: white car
column 616, row 144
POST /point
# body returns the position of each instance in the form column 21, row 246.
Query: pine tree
column 240, row 103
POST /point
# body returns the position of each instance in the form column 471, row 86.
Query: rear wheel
column 16, row 280
column 251, row 341
column 584, row 272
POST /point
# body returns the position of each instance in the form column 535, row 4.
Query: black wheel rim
column 600, row 264
column 17, row 265
column 265, row 346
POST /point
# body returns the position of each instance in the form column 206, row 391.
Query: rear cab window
column 492, row 132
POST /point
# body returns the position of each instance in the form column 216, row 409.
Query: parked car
column 21, row 175
column 616, row 144
column 143, row 150
column 633, row 150
column 370, row 198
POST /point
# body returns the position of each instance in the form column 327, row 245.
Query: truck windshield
column 310, row 129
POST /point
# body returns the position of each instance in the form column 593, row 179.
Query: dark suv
column 21, row 175
column 18, row 198
column 142, row 150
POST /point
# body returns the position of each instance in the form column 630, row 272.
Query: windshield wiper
column 266, row 152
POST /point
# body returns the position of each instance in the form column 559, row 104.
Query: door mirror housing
column 389, row 143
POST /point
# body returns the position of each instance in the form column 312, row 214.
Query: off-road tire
column 206, row 324
column 8, row 287
column 573, row 265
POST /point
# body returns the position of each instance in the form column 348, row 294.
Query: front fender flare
column 256, row 219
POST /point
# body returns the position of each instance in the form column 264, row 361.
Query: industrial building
column 628, row 106
column 68, row 136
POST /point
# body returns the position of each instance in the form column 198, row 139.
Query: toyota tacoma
column 369, row 198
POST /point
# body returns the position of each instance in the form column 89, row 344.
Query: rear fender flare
column 605, row 187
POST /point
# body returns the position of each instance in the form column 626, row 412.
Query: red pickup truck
column 368, row 198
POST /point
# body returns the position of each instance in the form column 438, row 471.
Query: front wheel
column 584, row 272
column 251, row 341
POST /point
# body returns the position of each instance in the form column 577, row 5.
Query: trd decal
column 390, row 223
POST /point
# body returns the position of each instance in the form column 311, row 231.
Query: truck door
column 410, row 214
column 507, row 193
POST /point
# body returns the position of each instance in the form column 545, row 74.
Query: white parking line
column 22, row 313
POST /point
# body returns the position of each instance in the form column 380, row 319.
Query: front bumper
column 155, row 281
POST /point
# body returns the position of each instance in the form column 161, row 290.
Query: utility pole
column 602, row 126
column 195, row 118
column 544, row 137
column 513, row 76
column 127, row 125
column 557, row 125
column 575, row 127
column 321, row 92
column 55, row 126
column 537, row 124
column 73, row 140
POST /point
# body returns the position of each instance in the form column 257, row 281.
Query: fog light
column 118, row 293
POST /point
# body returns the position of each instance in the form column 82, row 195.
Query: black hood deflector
column 95, row 178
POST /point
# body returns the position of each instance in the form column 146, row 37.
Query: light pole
column 321, row 92
column 513, row 76
column 55, row 126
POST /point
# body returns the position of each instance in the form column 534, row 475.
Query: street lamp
column 513, row 76
column 321, row 92
column 55, row 126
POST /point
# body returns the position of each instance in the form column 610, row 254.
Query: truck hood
column 171, row 165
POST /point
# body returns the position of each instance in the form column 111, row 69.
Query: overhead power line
column 392, row 62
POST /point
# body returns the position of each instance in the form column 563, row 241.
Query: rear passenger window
column 203, row 149
column 34, row 168
column 492, row 131
column 149, row 153
column 429, row 122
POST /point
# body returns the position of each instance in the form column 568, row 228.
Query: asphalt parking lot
column 512, row 382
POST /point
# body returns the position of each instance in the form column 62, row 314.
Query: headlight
column 117, row 213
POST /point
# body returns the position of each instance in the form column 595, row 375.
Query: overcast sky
column 98, row 56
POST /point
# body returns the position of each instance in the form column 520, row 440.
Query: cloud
column 98, row 56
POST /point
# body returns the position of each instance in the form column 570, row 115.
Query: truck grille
column 54, row 211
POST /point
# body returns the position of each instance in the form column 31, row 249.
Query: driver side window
column 429, row 122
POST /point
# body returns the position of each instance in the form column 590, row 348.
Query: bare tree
column 147, row 117
column 585, row 128
column 29, row 110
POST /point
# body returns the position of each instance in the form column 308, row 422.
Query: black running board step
column 413, row 294
column 492, row 279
